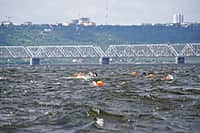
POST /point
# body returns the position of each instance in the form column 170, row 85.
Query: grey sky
column 120, row 11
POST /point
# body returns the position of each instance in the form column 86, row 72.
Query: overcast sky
column 119, row 11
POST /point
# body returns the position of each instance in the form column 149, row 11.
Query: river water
column 43, row 99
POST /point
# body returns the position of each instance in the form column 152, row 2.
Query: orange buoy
column 99, row 83
column 134, row 74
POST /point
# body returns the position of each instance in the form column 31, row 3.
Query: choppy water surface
column 41, row 99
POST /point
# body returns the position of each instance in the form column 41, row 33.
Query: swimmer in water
column 98, row 83
column 84, row 76
column 79, row 75
column 149, row 75
column 92, row 74
column 168, row 77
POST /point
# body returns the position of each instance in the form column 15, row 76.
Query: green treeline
column 102, row 35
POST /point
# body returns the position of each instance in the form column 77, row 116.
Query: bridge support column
column 180, row 60
column 34, row 61
column 104, row 60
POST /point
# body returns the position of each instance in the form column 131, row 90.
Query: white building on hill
column 83, row 22
column 178, row 18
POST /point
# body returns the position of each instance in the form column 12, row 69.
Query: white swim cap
column 170, row 77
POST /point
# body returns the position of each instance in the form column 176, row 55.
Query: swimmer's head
column 93, row 74
column 171, row 77
column 144, row 73
column 98, row 83
column 134, row 73
column 168, row 77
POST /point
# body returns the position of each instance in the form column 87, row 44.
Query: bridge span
column 83, row 51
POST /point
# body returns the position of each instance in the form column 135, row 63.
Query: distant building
column 28, row 23
column 65, row 24
column 6, row 23
column 47, row 30
column 83, row 22
column 178, row 18
column 147, row 24
column 62, row 24
column 75, row 21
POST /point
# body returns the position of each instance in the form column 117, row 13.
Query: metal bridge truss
column 143, row 50
column 50, row 51
column 153, row 50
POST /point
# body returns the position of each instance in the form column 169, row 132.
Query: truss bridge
column 83, row 51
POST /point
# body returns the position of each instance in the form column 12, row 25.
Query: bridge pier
column 34, row 61
column 180, row 60
column 104, row 60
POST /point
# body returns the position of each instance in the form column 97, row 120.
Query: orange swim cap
column 99, row 83
column 134, row 73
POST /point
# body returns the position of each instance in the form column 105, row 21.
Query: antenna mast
column 106, row 16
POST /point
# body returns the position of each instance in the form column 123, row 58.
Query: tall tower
column 106, row 15
column 178, row 18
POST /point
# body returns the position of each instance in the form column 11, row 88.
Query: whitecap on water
column 99, row 121
column 3, row 78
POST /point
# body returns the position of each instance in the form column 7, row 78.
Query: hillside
column 102, row 35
